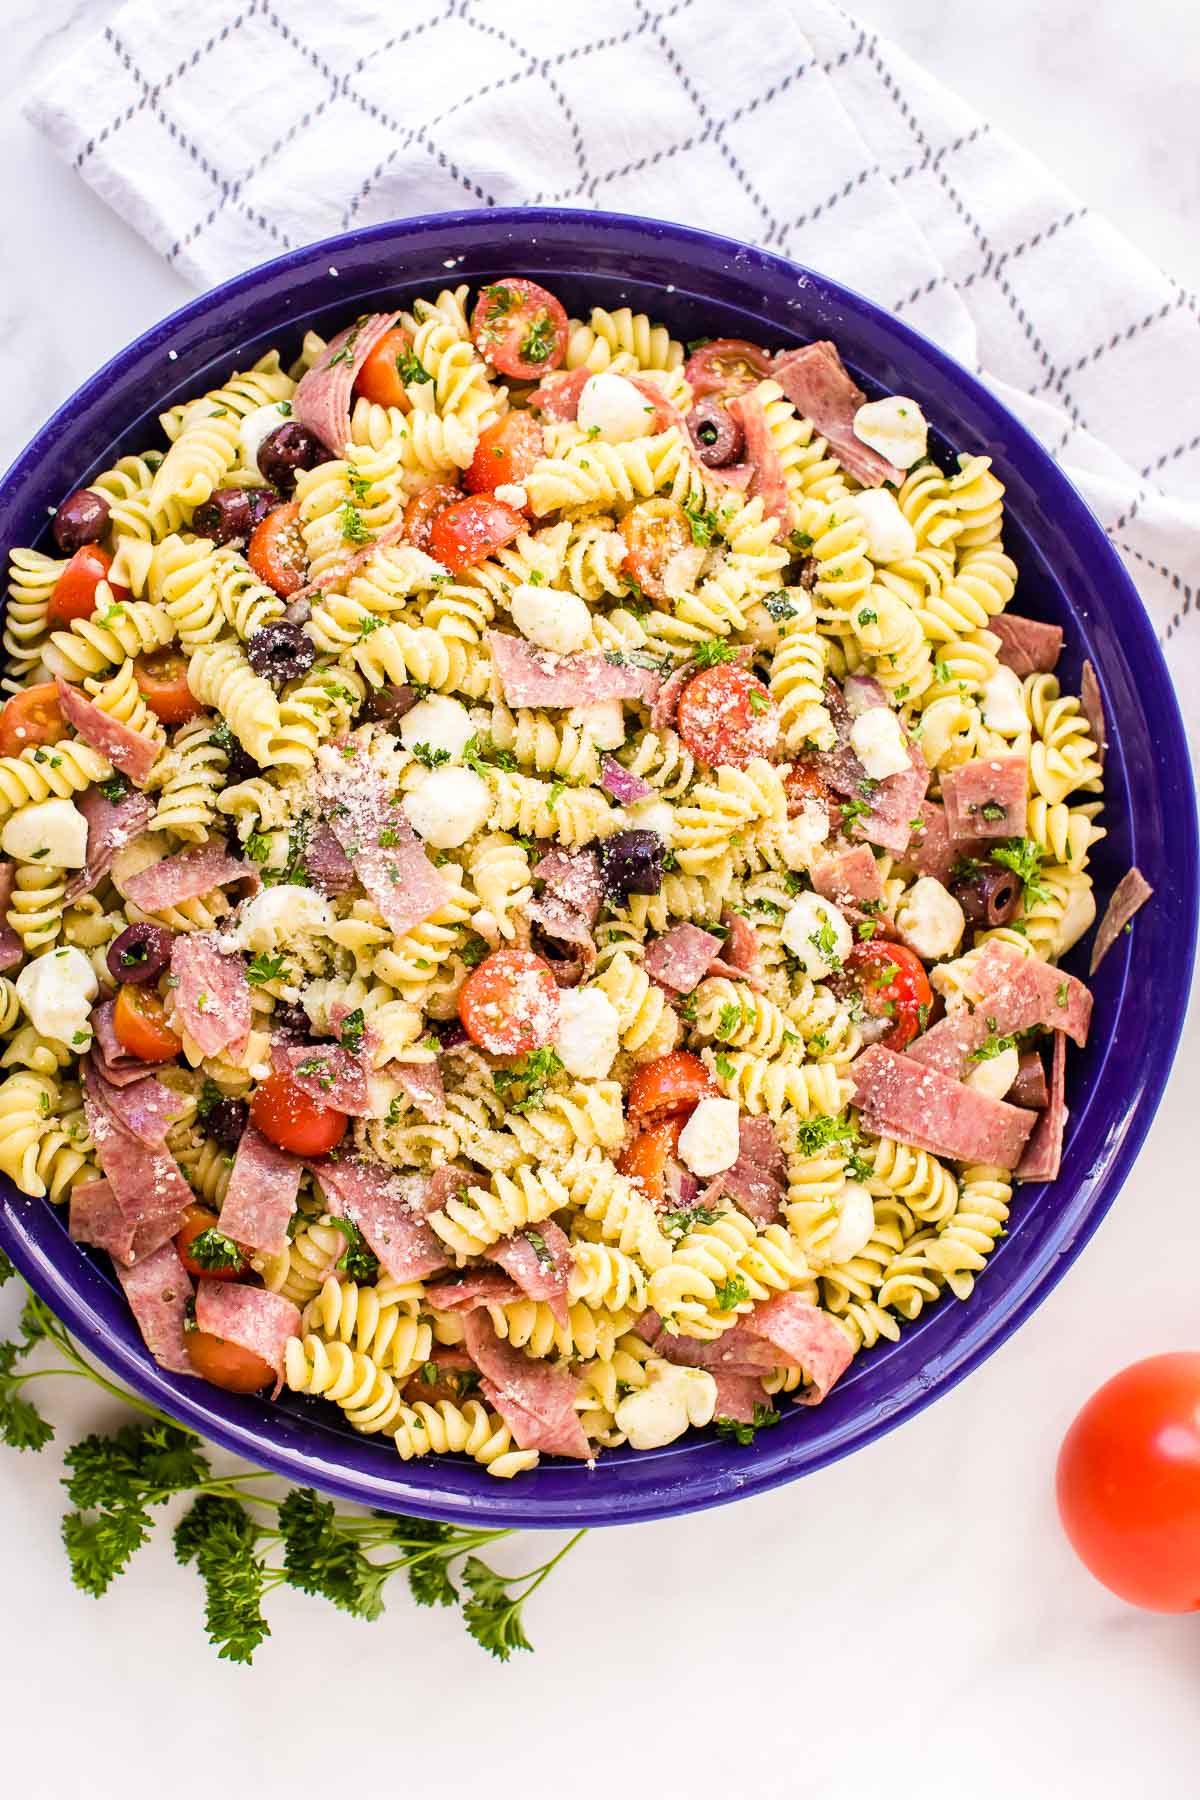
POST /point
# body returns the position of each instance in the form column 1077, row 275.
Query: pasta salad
column 536, row 859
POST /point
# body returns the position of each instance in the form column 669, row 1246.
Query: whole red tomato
column 1129, row 1483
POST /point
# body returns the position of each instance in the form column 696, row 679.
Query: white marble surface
column 908, row 1623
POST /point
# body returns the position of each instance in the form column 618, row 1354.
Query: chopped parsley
column 258, row 846
column 533, row 1073
column 730, row 1019
column 431, row 758
column 741, row 1431
column 678, row 1224
column 540, row 1248
column 265, row 968
column 410, row 368
column 357, row 1260
column 353, row 529
column 815, row 1135
column 779, row 607
column 702, row 525
column 1024, row 857
column 992, row 1046
column 731, row 1293
column 1062, row 993
column 116, row 787
column 712, row 651
column 539, row 341
column 724, row 1066
column 867, row 615
column 759, row 702
column 213, row 1250
column 351, row 1031
column 479, row 752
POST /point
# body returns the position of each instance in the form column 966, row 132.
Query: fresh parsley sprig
column 242, row 1534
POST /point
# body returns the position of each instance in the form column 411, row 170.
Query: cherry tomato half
column 30, row 718
column 505, row 453
column 276, row 551
column 381, row 378
column 74, row 595
column 645, row 1161
column 219, row 1258
column 464, row 533
column 161, row 676
column 424, row 508
column 654, row 532
column 727, row 366
column 293, row 1119
column 227, row 1365
column 669, row 1084
column 509, row 1004
column 519, row 328
column 139, row 1021
column 1129, row 1483
column 727, row 716
column 893, row 984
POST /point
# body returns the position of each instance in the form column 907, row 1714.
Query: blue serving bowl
column 701, row 285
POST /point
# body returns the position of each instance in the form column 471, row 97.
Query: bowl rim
column 238, row 1426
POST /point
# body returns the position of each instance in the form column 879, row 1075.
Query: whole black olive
column 989, row 897
column 230, row 515
column 290, row 1020
column 716, row 434
column 290, row 448
column 280, row 651
column 140, row 954
column 226, row 1122
column 81, row 519
column 631, row 862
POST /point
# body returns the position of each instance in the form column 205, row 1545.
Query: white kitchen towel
column 230, row 133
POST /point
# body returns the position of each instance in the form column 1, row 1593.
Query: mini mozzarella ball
column 440, row 722
column 52, row 832
column 995, row 1074
column 612, row 408
column 281, row 912
column 513, row 494
column 603, row 721
column 877, row 740
column 551, row 618
column 450, row 806
column 896, row 427
column 890, row 537
column 256, row 428
column 930, row 920
column 653, row 815
column 57, row 991
column 1004, row 703
column 589, row 1032
column 856, row 1222
column 817, row 935
column 671, row 1401
column 708, row 1143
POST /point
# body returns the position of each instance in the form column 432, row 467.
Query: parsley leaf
column 741, row 1430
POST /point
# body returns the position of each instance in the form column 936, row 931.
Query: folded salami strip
column 532, row 677
column 785, row 1331
column 384, row 851
column 126, row 750
column 322, row 398
column 261, row 1196
column 986, row 798
column 158, row 1290
column 1130, row 894
column 821, row 388
column 767, row 483
column 147, row 1183
column 326, row 1072
column 903, row 1099
column 376, row 1200
column 535, row 1399
column 95, row 1218
column 1027, row 646
column 680, row 958
column 111, row 825
column 1043, row 1153
column 188, row 876
column 250, row 1317
column 212, row 994
column 539, row 1261
column 757, row 1182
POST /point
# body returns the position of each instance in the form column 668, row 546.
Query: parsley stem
column 544, row 1569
